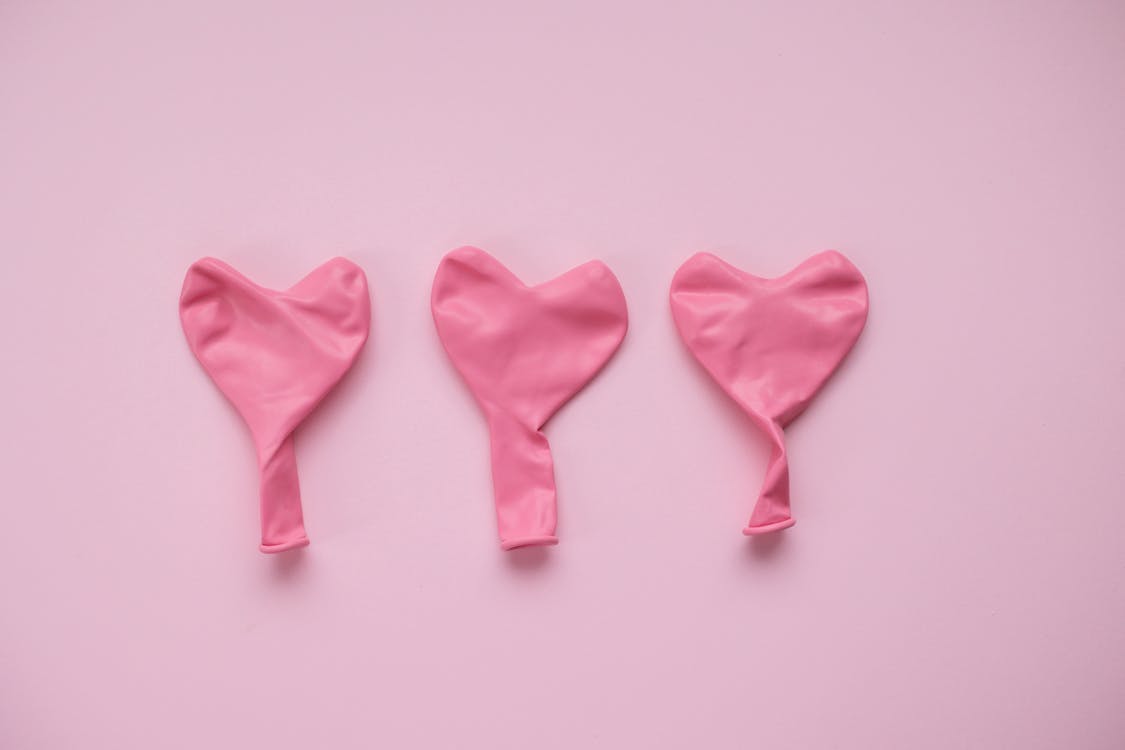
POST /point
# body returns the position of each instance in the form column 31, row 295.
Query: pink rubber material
column 771, row 344
column 275, row 355
column 524, row 352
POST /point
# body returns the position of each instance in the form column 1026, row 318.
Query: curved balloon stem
column 771, row 511
column 523, row 475
column 283, row 523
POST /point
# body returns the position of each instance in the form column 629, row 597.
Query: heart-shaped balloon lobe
column 524, row 352
column 770, row 344
column 275, row 355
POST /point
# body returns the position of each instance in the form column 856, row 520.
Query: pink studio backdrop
column 955, row 578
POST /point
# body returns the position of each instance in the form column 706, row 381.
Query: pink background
column 955, row 578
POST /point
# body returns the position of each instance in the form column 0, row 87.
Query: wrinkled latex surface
column 275, row 355
column 770, row 344
column 524, row 352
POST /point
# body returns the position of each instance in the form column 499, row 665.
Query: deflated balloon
column 275, row 355
column 770, row 344
column 524, row 352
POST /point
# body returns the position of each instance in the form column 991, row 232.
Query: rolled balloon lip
column 284, row 546
column 529, row 541
column 768, row 527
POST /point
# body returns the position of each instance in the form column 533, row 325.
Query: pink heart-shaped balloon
column 275, row 355
column 771, row 344
column 524, row 352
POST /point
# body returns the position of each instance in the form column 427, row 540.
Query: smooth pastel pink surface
column 276, row 355
column 956, row 577
column 524, row 351
column 771, row 344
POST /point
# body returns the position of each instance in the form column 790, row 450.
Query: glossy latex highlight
column 275, row 355
column 524, row 352
column 771, row 344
